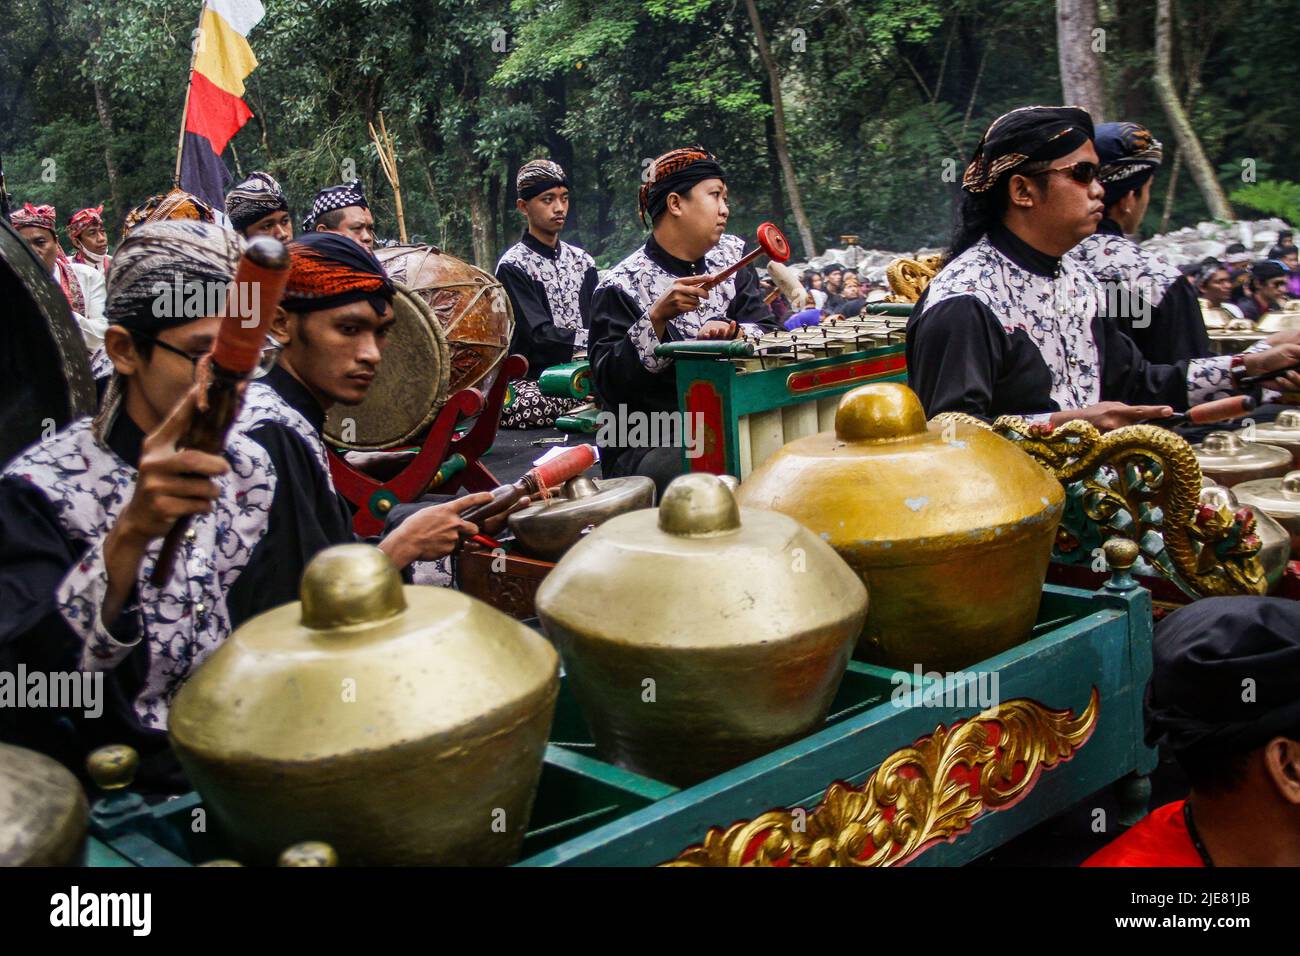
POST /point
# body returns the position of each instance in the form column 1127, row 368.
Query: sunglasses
column 270, row 355
column 1083, row 172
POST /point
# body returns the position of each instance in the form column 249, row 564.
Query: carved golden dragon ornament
column 1142, row 482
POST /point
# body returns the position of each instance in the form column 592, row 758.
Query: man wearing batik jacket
column 1012, row 326
column 549, row 283
column 83, row 515
column 655, row 296
column 1151, row 300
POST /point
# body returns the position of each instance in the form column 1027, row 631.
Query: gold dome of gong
column 950, row 527
column 399, row 724
column 700, row 635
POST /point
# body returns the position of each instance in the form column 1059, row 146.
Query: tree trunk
column 481, row 217
column 776, row 196
column 1189, row 145
column 1081, row 79
column 104, row 110
column 778, row 132
column 1132, row 99
column 1170, row 190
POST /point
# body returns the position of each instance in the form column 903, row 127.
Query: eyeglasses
column 270, row 354
column 1083, row 172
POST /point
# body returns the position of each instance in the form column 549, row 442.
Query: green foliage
column 1271, row 197
column 883, row 102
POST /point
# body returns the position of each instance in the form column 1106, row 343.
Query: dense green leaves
column 883, row 100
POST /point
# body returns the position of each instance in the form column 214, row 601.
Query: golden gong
column 400, row 725
column 699, row 636
column 951, row 527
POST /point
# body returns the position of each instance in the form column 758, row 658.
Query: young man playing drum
column 1012, row 325
column 550, row 285
column 656, row 295
column 333, row 325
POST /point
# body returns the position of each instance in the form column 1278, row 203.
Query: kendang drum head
column 45, row 378
column 471, row 305
column 410, row 387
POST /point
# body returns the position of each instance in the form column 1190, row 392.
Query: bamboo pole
column 388, row 163
column 189, row 85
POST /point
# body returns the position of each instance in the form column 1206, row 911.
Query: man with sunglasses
column 83, row 513
column 1153, row 302
column 1265, row 290
column 1012, row 325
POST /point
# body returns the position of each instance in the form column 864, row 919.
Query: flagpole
column 189, row 85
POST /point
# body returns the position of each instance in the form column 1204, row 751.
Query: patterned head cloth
column 1204, row 654
column 538, row 175
column 255, row 198
column 29, row 215
column 330, row 270
column 175, row 205
column 83, row 219
column 674, row 171
column 167, row 259
column 1031, row 134
column 335, row 197
column 1129, row 157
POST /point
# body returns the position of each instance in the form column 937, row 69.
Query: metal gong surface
column 409, row 388
column 44, row 368
column 43, row 810
column 471, row 305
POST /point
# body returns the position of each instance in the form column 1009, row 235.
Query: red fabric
column 213, row 113
column 1159, row 839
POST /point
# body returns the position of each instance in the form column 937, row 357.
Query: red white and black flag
column 214, row 108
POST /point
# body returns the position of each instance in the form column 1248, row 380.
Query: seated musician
column 549, row 283
column 654, row 296
column 333, row 325
column 1214, row 282
column 1264, row 291
column 1159, row 312
column 257, row 207
column 1011, row 325
column 82, row 514
column 1224, row 698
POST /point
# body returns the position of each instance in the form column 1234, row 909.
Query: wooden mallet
column 771, row 242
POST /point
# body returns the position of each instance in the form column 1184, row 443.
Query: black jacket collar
column 125, row 439
column 1023, row 254
column 296, row 396
column 534, row 244
column 670, row 263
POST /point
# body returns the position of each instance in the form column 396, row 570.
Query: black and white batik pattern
column 1120, row 260
column 263, row 404
column 1056, row 314
column 101, row 366
column 529, row 408
column 561, row 278
column 186, row 620
column 644, row 281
